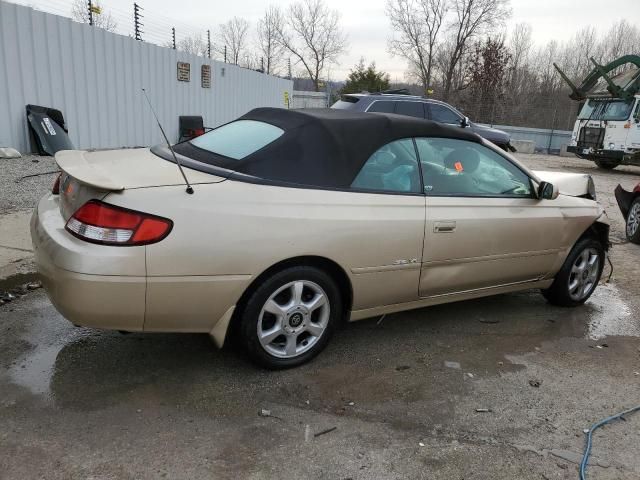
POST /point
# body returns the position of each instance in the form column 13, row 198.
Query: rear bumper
column 80, row 278
column 107, row 287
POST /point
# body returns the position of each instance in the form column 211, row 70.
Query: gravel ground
column 18, row 193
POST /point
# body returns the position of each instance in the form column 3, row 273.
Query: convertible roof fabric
column 323, row 147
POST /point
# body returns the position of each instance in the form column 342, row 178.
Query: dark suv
column 420, row 107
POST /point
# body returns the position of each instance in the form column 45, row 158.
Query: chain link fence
column 554, row 112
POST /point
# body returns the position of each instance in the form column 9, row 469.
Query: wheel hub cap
column 584, row 274
column 633, row 219
column 293, row 318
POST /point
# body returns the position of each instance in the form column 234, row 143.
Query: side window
column 392, row 168
column 383, row 107
column 442, row 114
column 411, row 109
column 460, row 168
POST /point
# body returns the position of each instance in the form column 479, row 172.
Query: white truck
column 607, row 130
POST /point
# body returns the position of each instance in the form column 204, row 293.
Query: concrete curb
column 16, row 251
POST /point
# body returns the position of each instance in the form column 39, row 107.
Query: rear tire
column 607, row 164
column 290, row 317
column 633, row 222
column 579, row 275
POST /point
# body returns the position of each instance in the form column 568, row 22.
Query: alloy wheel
column 633, row 220
column 293, row 319
column 584, row 274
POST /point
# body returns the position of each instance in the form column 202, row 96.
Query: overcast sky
column 363, row 20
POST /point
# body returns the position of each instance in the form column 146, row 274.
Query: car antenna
column 175, row 158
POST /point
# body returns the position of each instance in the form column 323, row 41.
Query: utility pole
column 136, row 21
column 209, row 43
column 173, row 37
column 225, row 54
column 90, row 13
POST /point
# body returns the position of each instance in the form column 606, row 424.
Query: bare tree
column 416, row 24
column 312, row 34
column 622, row 38
column 520, row 45
column 104, row 20
column 268, row 45
column 194, row 44
column 471, row 18
column 233, row 35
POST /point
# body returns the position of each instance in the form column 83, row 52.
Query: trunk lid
column 87, row 175
column 115, row 170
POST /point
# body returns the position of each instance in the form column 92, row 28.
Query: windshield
column 605, row 110
column 238, row 139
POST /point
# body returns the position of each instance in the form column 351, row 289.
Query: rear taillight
column 56, row 185
column 106, row 224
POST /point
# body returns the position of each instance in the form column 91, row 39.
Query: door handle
column 444, row 227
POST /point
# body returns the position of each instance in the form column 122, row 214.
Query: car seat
column 459, row 167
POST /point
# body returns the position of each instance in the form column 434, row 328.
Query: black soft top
column 322, row 147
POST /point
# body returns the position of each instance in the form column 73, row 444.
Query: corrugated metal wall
column 96, row 77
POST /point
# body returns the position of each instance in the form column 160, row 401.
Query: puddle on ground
column 609, row 315
column 36, row 368
column 35, row 371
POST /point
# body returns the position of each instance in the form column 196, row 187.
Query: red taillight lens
column 106, row 224
column 56, row 185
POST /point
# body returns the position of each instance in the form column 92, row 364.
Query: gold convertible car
column 299, row 220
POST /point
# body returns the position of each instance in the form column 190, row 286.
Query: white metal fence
column 95, row 78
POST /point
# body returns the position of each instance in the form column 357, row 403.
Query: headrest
column 384, row 157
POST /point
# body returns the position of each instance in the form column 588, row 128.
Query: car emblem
column 295, row 320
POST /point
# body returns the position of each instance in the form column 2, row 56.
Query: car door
column 386, row 269
column 484, row 227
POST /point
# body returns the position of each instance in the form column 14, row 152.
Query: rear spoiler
column 74, row 163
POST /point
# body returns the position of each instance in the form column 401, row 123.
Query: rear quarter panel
column 234, row 231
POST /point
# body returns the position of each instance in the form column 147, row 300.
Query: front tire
column 579, row 275
column 290, row 317
column 633, row 222
column 607, row 164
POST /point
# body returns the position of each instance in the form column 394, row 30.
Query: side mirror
column 464, row 123
column 547, row 191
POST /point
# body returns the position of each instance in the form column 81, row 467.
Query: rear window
column 345, row 103
column 238, row 139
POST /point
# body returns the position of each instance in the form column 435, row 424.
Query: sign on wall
column 205, row 76
column 184, row 72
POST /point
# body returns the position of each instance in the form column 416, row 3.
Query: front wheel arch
column 599, row 231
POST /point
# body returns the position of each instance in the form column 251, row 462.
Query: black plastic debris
column 48, row 130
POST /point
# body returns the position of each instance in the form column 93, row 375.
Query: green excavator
column 607, row 129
